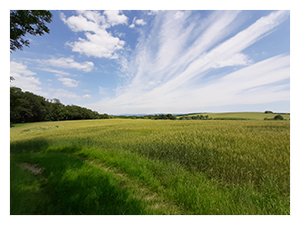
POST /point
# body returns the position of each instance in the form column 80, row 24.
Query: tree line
column 153, row 117
column 28, row 107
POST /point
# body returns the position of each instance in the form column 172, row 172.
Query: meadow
column 242, row 115
column 150, row 167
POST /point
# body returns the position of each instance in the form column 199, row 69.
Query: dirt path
column 34, row 169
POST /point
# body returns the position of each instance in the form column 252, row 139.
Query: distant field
column 125, row 166
column 245, row 115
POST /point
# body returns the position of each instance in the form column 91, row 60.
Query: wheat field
column 151, row 167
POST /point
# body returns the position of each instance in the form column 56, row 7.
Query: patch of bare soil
column 34, row 169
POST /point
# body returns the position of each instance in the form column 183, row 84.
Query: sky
column 214, row 61
column 160, row 61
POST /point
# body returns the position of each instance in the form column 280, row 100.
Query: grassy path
column 81, row 186
column 151, row 167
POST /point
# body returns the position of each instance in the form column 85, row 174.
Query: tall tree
column 24, row 22
column 28, row 107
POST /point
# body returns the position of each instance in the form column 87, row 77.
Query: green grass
column 151, row 167
column 243, row 115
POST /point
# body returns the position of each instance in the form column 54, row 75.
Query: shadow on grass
column 69, row 185
column 26, row 194
column 77, row 187
column 29, row 146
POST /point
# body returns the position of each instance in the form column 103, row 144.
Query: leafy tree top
column 24, row 22
column 278, row 117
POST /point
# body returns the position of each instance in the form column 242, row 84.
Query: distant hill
column 243, row 115
column 133, row 114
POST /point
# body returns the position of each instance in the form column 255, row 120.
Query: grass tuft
column 116, row 167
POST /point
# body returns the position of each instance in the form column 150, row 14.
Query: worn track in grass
column 154, row 167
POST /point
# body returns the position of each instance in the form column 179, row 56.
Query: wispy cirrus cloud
column 103, row 91
column 69, row 82
column 67, row 96
column 64, row 94
column 69, row 63
column 55, row 71
column 169, row 75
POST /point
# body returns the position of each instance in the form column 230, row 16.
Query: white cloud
column 68, row 63
column 238, row 59
column 101, row 45
column 178, row 14
column 153, row 12
column 94, row 16
column 19, row 68
column 98, row 42
column 114, row 17
column 54, row 71
column 137, row 22
column 24, row 78
column 86, row 96
column 68, row 82
column 61, row 93
column 103, row 91
column 80, row 23
column 140, row 22
column 227, row 49
column 168, row 74
column 119, row 34
column 67, row 97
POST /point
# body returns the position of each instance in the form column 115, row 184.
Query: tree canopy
column 28, row 107
column 24, row 22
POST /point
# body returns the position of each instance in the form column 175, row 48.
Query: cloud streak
column 170, row 75
column 69, row 63
column 68, row 82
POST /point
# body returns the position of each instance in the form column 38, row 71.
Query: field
column 150, row 167
column 243, row 115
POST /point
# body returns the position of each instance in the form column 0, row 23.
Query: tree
column 171, row 117
column 15, row 96
column 278, row 117
column 268, row 111
column 28, row 107
column 24, row 22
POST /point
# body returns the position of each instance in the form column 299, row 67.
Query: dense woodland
column 28, row 107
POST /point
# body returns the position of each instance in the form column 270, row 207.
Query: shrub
column 268, row 111
column 278, row 117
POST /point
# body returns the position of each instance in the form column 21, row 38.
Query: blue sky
column 165, row 61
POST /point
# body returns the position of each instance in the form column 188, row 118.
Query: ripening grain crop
column 154, row 167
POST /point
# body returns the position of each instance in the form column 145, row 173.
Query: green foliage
column 240, row 115
column 278, row 117
column 154, row 167
column 164, row 117
column 268, row 111
column 28, row 107
column 197, row 117
column 73, row 186
column 154, row 117
column 229, row 118
column 23, row 22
